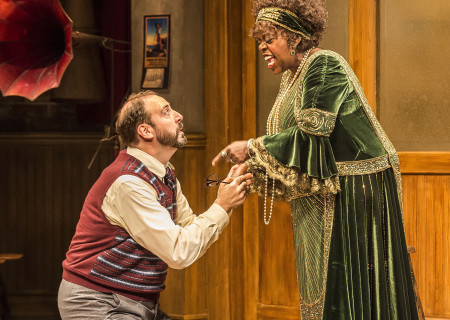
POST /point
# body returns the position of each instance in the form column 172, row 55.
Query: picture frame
column 156, row 55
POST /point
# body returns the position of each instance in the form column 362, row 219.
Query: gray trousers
column 78, row 302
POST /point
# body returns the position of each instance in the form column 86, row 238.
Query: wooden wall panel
column 251, row 219
column 362, row 32
column 278, row 288
column 217, row 119
column 224, row 96
column 278, row 281
column 185, row 294
column 427, row 224
column 278, row 312
column 425, row 162
column 44, row 182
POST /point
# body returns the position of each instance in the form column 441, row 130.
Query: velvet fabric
column 369, row 276
column 296, row 149
column 326, row 87
column 362, row 271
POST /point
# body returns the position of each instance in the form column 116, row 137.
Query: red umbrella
column 35, row 46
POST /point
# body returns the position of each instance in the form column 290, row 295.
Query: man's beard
column 171, row 140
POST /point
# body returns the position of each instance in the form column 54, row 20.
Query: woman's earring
column 292, row 52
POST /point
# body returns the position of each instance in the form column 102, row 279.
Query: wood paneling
column 224, row 98
column 185, row 295
column 217, row 114
column 362, row 33
column 44, row 182
column 278, row 280
column 250, row 219
column 426, row 185
column 425, row 162
column 426, row 213
column 278, row 312
column 202, row 316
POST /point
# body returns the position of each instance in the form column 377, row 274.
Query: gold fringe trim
column 290, row 183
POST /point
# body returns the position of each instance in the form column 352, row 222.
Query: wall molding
column 267, row 311
column 425, row 162
column 202, row 316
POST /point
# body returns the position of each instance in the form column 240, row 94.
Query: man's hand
column 235, row 152
column 238, row 170
column 234, row 190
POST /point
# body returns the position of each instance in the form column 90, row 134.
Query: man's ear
column 145, row 131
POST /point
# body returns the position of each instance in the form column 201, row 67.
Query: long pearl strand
column 273, row 127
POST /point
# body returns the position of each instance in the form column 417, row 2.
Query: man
column 136, row 222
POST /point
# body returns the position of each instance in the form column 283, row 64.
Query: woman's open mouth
column 270, row 61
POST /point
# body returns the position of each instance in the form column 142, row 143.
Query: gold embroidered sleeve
column 290, row 183
column 315, row 121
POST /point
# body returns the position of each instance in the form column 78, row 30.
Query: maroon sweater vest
column 103, row 256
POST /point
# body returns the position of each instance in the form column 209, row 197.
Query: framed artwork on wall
column 156, row 52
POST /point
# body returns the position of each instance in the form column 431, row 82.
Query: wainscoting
column 426, row 199
column 45, row 178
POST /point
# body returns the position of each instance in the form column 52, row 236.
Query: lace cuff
column 290, row 183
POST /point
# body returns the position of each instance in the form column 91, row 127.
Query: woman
column 327, row 155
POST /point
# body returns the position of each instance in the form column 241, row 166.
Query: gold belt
column 349, row 168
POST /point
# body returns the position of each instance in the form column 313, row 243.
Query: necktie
column 169, row 179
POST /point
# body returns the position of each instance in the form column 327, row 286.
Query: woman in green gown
column 327, row 155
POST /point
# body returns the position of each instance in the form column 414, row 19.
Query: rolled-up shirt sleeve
column 131, row 203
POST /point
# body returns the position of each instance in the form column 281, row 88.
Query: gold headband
column 285, row 19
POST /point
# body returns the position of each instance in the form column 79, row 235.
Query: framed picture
column 156, row 52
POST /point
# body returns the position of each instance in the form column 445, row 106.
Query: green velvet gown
column 340, row 173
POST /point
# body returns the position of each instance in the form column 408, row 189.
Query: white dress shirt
column 132, row 204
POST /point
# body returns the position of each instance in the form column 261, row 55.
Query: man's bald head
column 134, row 112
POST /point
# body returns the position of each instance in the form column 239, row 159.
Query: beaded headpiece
column 285, row 19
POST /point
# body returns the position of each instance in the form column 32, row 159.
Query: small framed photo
column 156, row 52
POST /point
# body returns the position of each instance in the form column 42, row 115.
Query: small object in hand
column 213, row 180
column 223, row 153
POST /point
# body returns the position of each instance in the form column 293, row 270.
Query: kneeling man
column 136, row 222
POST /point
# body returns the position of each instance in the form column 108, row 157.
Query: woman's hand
column 235, row 152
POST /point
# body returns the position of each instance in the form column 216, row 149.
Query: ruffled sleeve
column 300, row 158
column 325, row 86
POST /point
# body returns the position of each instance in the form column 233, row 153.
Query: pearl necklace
column 273, row 127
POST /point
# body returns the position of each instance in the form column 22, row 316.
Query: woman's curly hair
column 312, row 13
